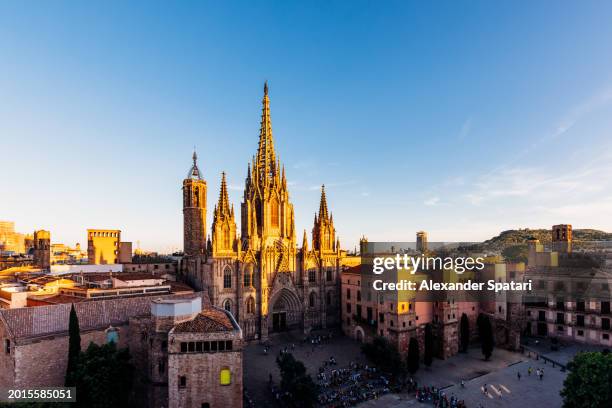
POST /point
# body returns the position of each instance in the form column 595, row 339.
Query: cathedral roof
column 29, row 322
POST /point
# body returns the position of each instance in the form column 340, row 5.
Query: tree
column 485, row 332
column 300, row 388
column 428, row 354
column 412, row 361
column 516, row 253
column 588, row 383
column 74, row 347
column 384, row 355
column 465, row 333
column 104, row 376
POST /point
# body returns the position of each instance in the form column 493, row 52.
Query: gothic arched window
column 274, row 212
column 312, row 300
column 312, row 276
column 250, row 306
column 227, row 305
column 197, row 197
column 328, row 275
column 227, row 278
column 248, row 276
column 328, row 299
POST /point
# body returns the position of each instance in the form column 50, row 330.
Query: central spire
column 266, row 159
column 323, row 205
column 223, row 205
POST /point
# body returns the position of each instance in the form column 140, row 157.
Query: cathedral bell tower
column 194, row 211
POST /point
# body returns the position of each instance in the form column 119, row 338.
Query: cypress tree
column 74, row 347
column 412, row 361
column 465, row 333
column 428, row 355
column 485, row 332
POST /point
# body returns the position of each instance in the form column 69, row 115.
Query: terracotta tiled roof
column 177, row 287
column 58, row 299
column 29, row 322
column 353, row 269
column 124, row 276
column 208, row 321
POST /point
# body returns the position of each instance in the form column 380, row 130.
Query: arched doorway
column 359, row 334
column 286, row 311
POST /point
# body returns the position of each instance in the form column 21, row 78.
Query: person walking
column 518, row 375
column 529, row 370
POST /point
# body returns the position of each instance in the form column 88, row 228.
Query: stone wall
column 43, row 362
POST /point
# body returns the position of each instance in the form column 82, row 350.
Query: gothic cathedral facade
column 261, row 275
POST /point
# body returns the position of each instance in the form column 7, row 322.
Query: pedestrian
column 484, row 389
column 462, row 384
column 529, row 370
column 518, row 375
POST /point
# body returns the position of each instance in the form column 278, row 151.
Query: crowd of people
column 348, row 386
column 438, row 398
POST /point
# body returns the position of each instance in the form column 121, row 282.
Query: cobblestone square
column 500, row 374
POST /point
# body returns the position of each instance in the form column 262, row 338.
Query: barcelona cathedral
column 261, row 275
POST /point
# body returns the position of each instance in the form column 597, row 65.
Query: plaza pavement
column 499, row 374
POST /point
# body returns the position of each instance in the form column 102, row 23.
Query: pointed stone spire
column 223, row 205
column 305, row 242
column 284, row 178
column 194, row 172
column 265, row 152
column 323, row 205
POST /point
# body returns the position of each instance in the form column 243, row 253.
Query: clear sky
column 462, row 118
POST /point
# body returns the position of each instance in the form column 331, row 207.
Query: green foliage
column 516, row 253
column 589, row 382
column 464, row 330
column 302, row 390
column 383, row 355
column 74, row 347
column 412, row 361
column 428, row 354
column 485, row 332
column 103, row 377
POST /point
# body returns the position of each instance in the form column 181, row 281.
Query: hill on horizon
column 521, row 236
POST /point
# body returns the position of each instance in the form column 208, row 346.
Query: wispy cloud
column 432, row 201
column 465, row 129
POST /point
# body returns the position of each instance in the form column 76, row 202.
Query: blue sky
column 459, row 118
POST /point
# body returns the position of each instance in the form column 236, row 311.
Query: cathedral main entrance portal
column 279, row 321
column 286, row 311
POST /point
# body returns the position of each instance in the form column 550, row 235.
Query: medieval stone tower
column 42, row 249
column 194, row 211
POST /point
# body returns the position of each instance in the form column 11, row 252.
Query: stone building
column 261, row 275
column 170, row 339
column 104, row 246
column 571, row 296
column 402, row 316
column 42, row 249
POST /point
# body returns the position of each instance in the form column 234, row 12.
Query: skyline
column 413, row 119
